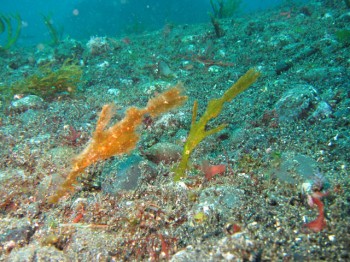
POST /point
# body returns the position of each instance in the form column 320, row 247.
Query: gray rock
column 19, row 235
column 323, row 110
column 27, row 102
column 283, row 66
column 190, row 254
column 316, row 74
column 293, row 167
column 125, row 175
column 295, row 102
column 164, row 152
column 37, row 253
column 219, row 199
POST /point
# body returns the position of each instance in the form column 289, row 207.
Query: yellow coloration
column 49, row 82
column 192, row 196
column 6, row 24
column 50, row 240
column 119, row 138
column 200, row 217
column 198, row 128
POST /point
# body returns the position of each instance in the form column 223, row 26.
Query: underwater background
column 213, row 130
column 81, row 19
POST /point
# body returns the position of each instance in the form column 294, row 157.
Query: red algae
column 319, row 223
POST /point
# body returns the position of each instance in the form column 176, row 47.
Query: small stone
column 19, row 235
column 323, row 110
column 163, row 152
column 282, row 67
column 332, row 238
column 27, row 102
column 164, row 70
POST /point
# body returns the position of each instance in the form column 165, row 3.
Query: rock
column 254, row 27
column 37, row 253
column 27, row 102
column 321, row 74
column 67, row 48
column 164, row 152
column 20, row 236
column 293, row 167
column 323, row 110
column 295, row 102
column 219, row 199
column 316, row 74
column 98, row 45
column 345, row 17
column 125, row 175
column 164, row 70
column 190, row 254
column 228, row 248
column 305, row 53
column 283, row 66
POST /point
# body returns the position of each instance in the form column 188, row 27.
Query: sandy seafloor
column 287, row 139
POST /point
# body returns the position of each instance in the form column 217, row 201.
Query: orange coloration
column 165, row 247
column 319, row 195
column 80, row 214
column 211, row 171
column 120, row 138
column 232, row 229
column 338, row 189
column 126, row 40
column 319, row 223
column 236, row 228
column 78, row 218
